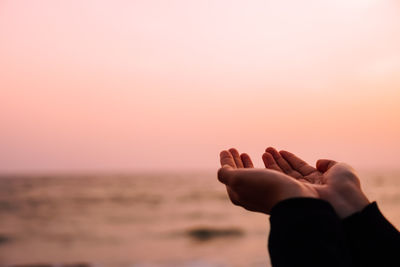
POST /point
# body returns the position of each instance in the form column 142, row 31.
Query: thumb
column 224, row 173
column 325, row 164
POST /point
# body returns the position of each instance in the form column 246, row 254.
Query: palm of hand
column 337, row 176
column 335, row 183
column 295, row 167
column 258, row 189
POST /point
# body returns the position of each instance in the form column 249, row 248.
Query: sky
column 165, row 85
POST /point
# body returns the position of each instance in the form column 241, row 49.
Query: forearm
column 306, row 232
column 373, row 240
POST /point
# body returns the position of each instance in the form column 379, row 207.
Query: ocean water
column 142, row 219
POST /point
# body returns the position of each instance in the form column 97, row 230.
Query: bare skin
column 287, row 176
column 258, row 189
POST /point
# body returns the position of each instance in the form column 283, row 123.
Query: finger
column 269, row 162
column 325, row 164
column 282, row 163
column 247, row 163
column 224, row 174
column 227, row 159
column 236, row 157
column 297, row 164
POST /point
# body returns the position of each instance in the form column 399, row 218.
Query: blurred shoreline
column 142, row 219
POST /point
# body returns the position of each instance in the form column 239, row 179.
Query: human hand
column 334, row 182
column 258, row 189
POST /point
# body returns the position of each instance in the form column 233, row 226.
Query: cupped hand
column 293, row 166
column 334, row 182
column 258, row 189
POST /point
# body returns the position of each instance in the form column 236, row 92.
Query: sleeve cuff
column 301, row 206
column 371, row 210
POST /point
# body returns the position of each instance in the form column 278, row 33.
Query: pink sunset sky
column 155, row 85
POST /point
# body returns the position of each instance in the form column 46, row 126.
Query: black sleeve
column 372, row 240
column 306, row 232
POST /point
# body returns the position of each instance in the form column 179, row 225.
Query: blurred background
column 113, row 114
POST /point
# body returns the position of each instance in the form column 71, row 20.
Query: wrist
column 286, row 192
column 347, row 205
column 355, row 205
column 303, row 191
